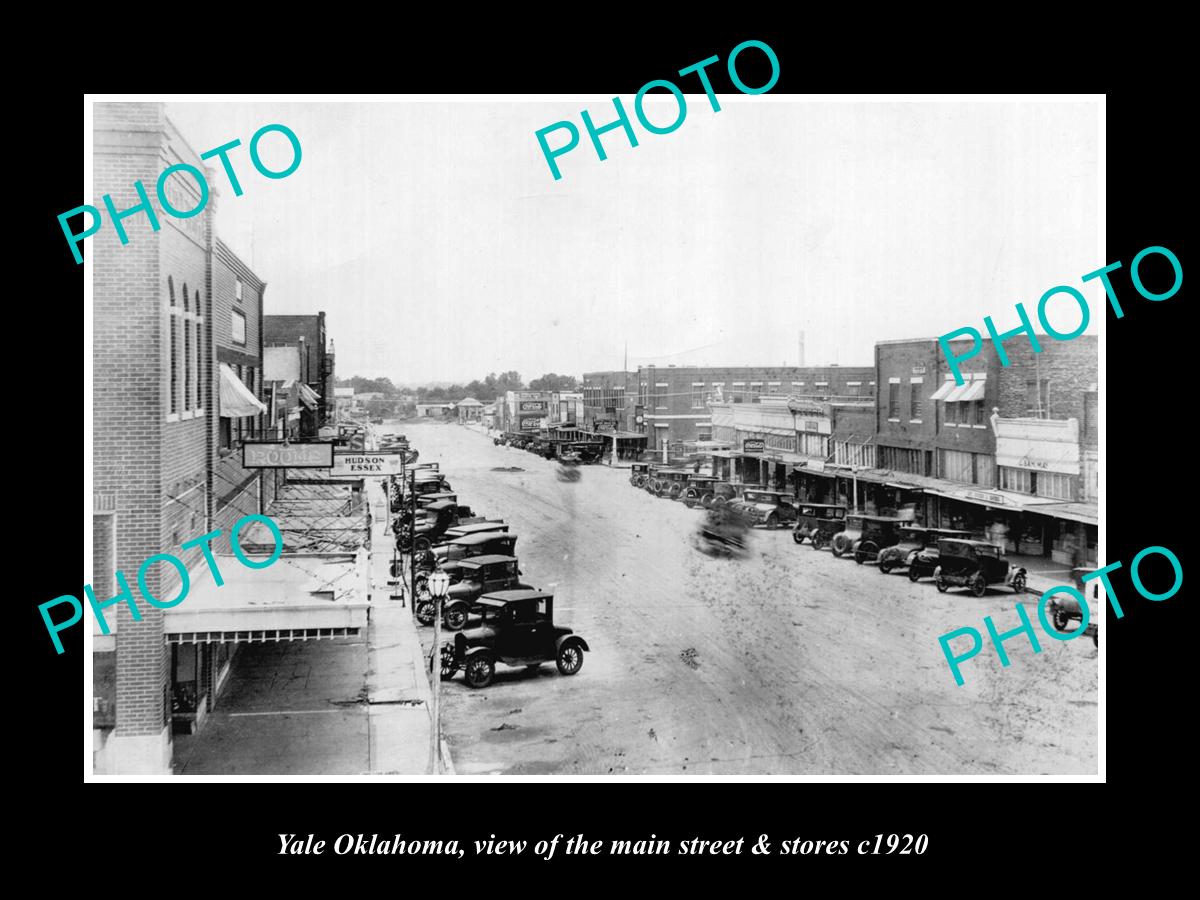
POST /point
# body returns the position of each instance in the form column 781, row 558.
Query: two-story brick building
column 675, row 398
column 165, row 332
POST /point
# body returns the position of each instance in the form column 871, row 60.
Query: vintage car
column 975, row 565
column 487, row 526
column 722, row 532
column 475, row 577
column 1062, row 608
column 588, row 451
column 699, row 490
column 670, row 483
column 865, row 536
column 639, row 473
column 437, row 519
column 913, row 540
column 516, row 628
column 771, row 509
column 479, row 544
column 818, row 522
column 725, row 492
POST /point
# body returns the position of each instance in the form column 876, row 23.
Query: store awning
column 958, row 392
column 1086, row 513
column 994, row 498
column 974, row 391
column 237, row 400
column 308, row 396
column 946, row 388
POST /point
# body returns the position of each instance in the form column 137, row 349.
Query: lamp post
column 439, row 584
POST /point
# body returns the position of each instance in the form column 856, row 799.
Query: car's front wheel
column 885, row 566
column 570, row 658
column 941, row 583
column 978, row 585
column 480, row 670
column 797, row 537
column 818, row 541
column 455, row 617
column 449, row 665
column 1058, row 616
column 865, row 552
column 425, row 612
column 1018, row 583
column 914, row 574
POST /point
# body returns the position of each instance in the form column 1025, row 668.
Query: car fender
column 472, row 652
column 571, row 637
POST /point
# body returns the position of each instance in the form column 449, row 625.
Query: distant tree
column 553, row 382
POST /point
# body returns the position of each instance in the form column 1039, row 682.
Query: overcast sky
column 441, row 248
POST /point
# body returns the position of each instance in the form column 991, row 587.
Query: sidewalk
column 399, row 700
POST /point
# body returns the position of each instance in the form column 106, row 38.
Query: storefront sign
column 531, row 423
column 812, row 425
column 377, row 462
column 1045, row 445
column 606, row 425
column 279, row 454
column 533, row 406
column 753, row 445
column 918, row 370
column 997, row 499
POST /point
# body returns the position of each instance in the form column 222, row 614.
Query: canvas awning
column 308, row 396
column 974, row 392
column 237, row 400
column 947, row 386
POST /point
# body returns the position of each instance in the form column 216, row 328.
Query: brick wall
column 128, row 419
column 1071, row 367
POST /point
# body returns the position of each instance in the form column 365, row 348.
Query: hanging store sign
column 533, row 406
column 753, row 445
column 280, row 454
column 377, row 462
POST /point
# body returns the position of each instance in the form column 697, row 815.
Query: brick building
column 610, row 395
column 163, row 313
column 675, row 398
column 307, row 334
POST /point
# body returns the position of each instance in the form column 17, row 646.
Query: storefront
column 1039, row 457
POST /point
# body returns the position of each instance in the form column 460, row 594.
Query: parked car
column 638, row 473
column 670, row 483
column 913, row 540
column 699, row 490
column 477, row 576
column 818, row 522
column 771, row 509
column 517, row 628
column 975, row 565
column 725, row 492
column 1062, row 609
column 484, row 527
column 868, row 534
column 479, row 544
column 589, row 451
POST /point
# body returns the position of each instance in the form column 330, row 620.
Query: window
column 698, row 395
column 957, row 466
column 237, row 290
column 1053, row 484
column 226, row 435
column 980, row 413
column 1018, row 480
column 915, row 386
column 173, row 325
column 187, row 364
column 813, row 444
column 239, row 328
column 198, row 354
column 894, row 400
column 755, row 391
column 853, row 388
column 1037, row 398
column 901, row 459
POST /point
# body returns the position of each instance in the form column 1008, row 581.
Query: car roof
column 474, row 540
column 751, row 490
column 823, row 505
column 487, row 560
column 442, row 504
column 478, row 527
column 499, row 598
column 970, row 543
column 867, row 518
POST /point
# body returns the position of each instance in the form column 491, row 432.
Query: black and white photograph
column 704, row 433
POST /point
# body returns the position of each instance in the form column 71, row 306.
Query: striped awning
column 308, row 396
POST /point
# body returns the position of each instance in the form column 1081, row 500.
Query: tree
column 553, row 382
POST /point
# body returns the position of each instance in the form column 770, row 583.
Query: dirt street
column 788, row 662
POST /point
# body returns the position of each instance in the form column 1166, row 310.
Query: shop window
column 893, row 401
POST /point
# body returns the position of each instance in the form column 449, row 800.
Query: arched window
column 173, row 339
column 187, row 351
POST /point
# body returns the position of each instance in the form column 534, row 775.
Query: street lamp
column 439, row 585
